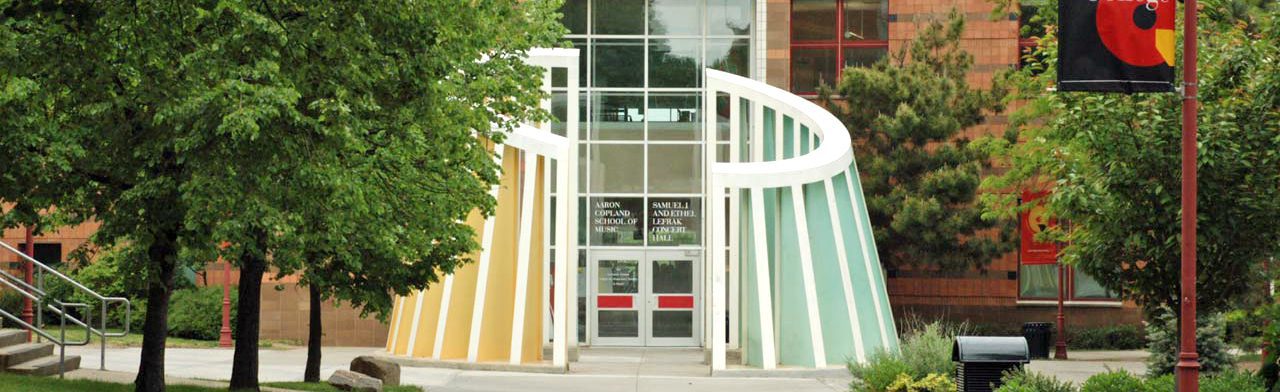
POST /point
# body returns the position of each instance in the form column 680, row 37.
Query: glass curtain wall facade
column 641, row 170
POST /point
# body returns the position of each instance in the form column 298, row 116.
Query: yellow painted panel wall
column 406, row 321
column 425, row 341
column 534, row 312
column 457, row 331
column 495, row 338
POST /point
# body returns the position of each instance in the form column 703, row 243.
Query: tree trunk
column 244, row 364
column 312, row 374
column 155, row 328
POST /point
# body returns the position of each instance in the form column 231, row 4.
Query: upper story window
column 827, row 35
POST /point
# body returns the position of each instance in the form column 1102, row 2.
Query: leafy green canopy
column 920, row 174
column 1113, row 162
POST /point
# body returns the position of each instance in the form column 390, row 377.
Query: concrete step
column 24, row 352
column 9, row 337
column 46, row 366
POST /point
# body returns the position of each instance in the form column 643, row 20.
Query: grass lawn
column 134, row 339
column 324, row 387
column 15, row 383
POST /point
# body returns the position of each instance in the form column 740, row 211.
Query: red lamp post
column 224, row 339
column 30, row 250
column 1188, row 367
column 1060, row 347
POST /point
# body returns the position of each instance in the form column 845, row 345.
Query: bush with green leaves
column 933, row 382
column 197, row 313
column 928, row 350
column 1114, row 381
column 1021, row 380
column 879, row 372
column 1162, row 338
column 1115, row 337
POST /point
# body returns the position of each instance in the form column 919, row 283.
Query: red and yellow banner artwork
column 1032, row 221
column 1116, row 45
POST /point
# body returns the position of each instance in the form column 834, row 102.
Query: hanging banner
column 1033, row 221
column 1116, row 45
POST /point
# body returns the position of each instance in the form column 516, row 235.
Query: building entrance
column 645, row 298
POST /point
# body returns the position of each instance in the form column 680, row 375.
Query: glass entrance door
column 645, row 298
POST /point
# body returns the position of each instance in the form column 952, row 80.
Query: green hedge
column 1119, row 337
column 197, row 313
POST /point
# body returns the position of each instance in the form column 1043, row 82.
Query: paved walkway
column 599, row 369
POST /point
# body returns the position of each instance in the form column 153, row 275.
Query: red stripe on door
column 675, row 302
column 614, row 301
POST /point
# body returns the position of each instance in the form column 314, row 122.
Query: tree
column 180, row 125
column 920, row 175
column 1113, row 162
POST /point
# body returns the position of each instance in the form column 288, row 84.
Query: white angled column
column 524, row 248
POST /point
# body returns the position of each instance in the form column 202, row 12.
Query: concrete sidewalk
column 604, row 370
column 1082, row 364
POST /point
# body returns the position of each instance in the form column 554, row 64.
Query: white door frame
column 644, row 301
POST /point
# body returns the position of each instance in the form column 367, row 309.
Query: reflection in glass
column 675, row 221
column 672, row 276
column 583, row 69
column 729, row 55
column 866, row 20
column 1088, row 287
column 677, row 168
column 618, row 116
column 813, row 20
column 617, row 63
column 560, row 109
column 618, row 324
column 582, row 295
column 618, row 17
column 811, row 67
column 672, row 324
column 617, row 168
column 674, row 117
column 1038, row 281
column 575, row 16
column 618, row 277
column 729, row 17
column 674, row 17
column 617, row 221
column 863, row 57
column 674, row 62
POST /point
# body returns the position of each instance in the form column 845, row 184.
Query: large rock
column 352, row 381
column 377, row 368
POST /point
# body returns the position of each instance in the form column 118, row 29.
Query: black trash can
column 981, row 360
column 1038, row 337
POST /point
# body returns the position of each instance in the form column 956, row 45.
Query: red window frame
column 838, row 44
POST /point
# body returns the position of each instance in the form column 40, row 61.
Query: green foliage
column 920, row 175
column 1232, row 381
column 881, row 370
column 1113, row 381
column 1021, row 380
column 928, row 350
column 1113, row 337
column 932, row 382
column 1112, row 162
column 197, row 313
column 1162, row 334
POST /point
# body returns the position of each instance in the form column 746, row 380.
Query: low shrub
column 928, row 350
column 1114, row 381
column 197, row 313
column 1026, row 381
column 1162, row 336
column 930, row 383
column 881, row 370
column 1232, row 381
column 1118, row 337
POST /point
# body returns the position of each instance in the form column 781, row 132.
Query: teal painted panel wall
column 749, row 335
column 864, row 302
column 877, row 272
column 837, row 333
column 794, row 341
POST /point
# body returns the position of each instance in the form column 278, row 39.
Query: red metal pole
column 30, row 250
column 224, row 340
column 1060, row 348
column 1188, row 368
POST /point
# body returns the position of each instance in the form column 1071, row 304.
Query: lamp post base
column 1187, row 372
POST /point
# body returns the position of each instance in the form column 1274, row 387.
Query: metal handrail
column 37, row 293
